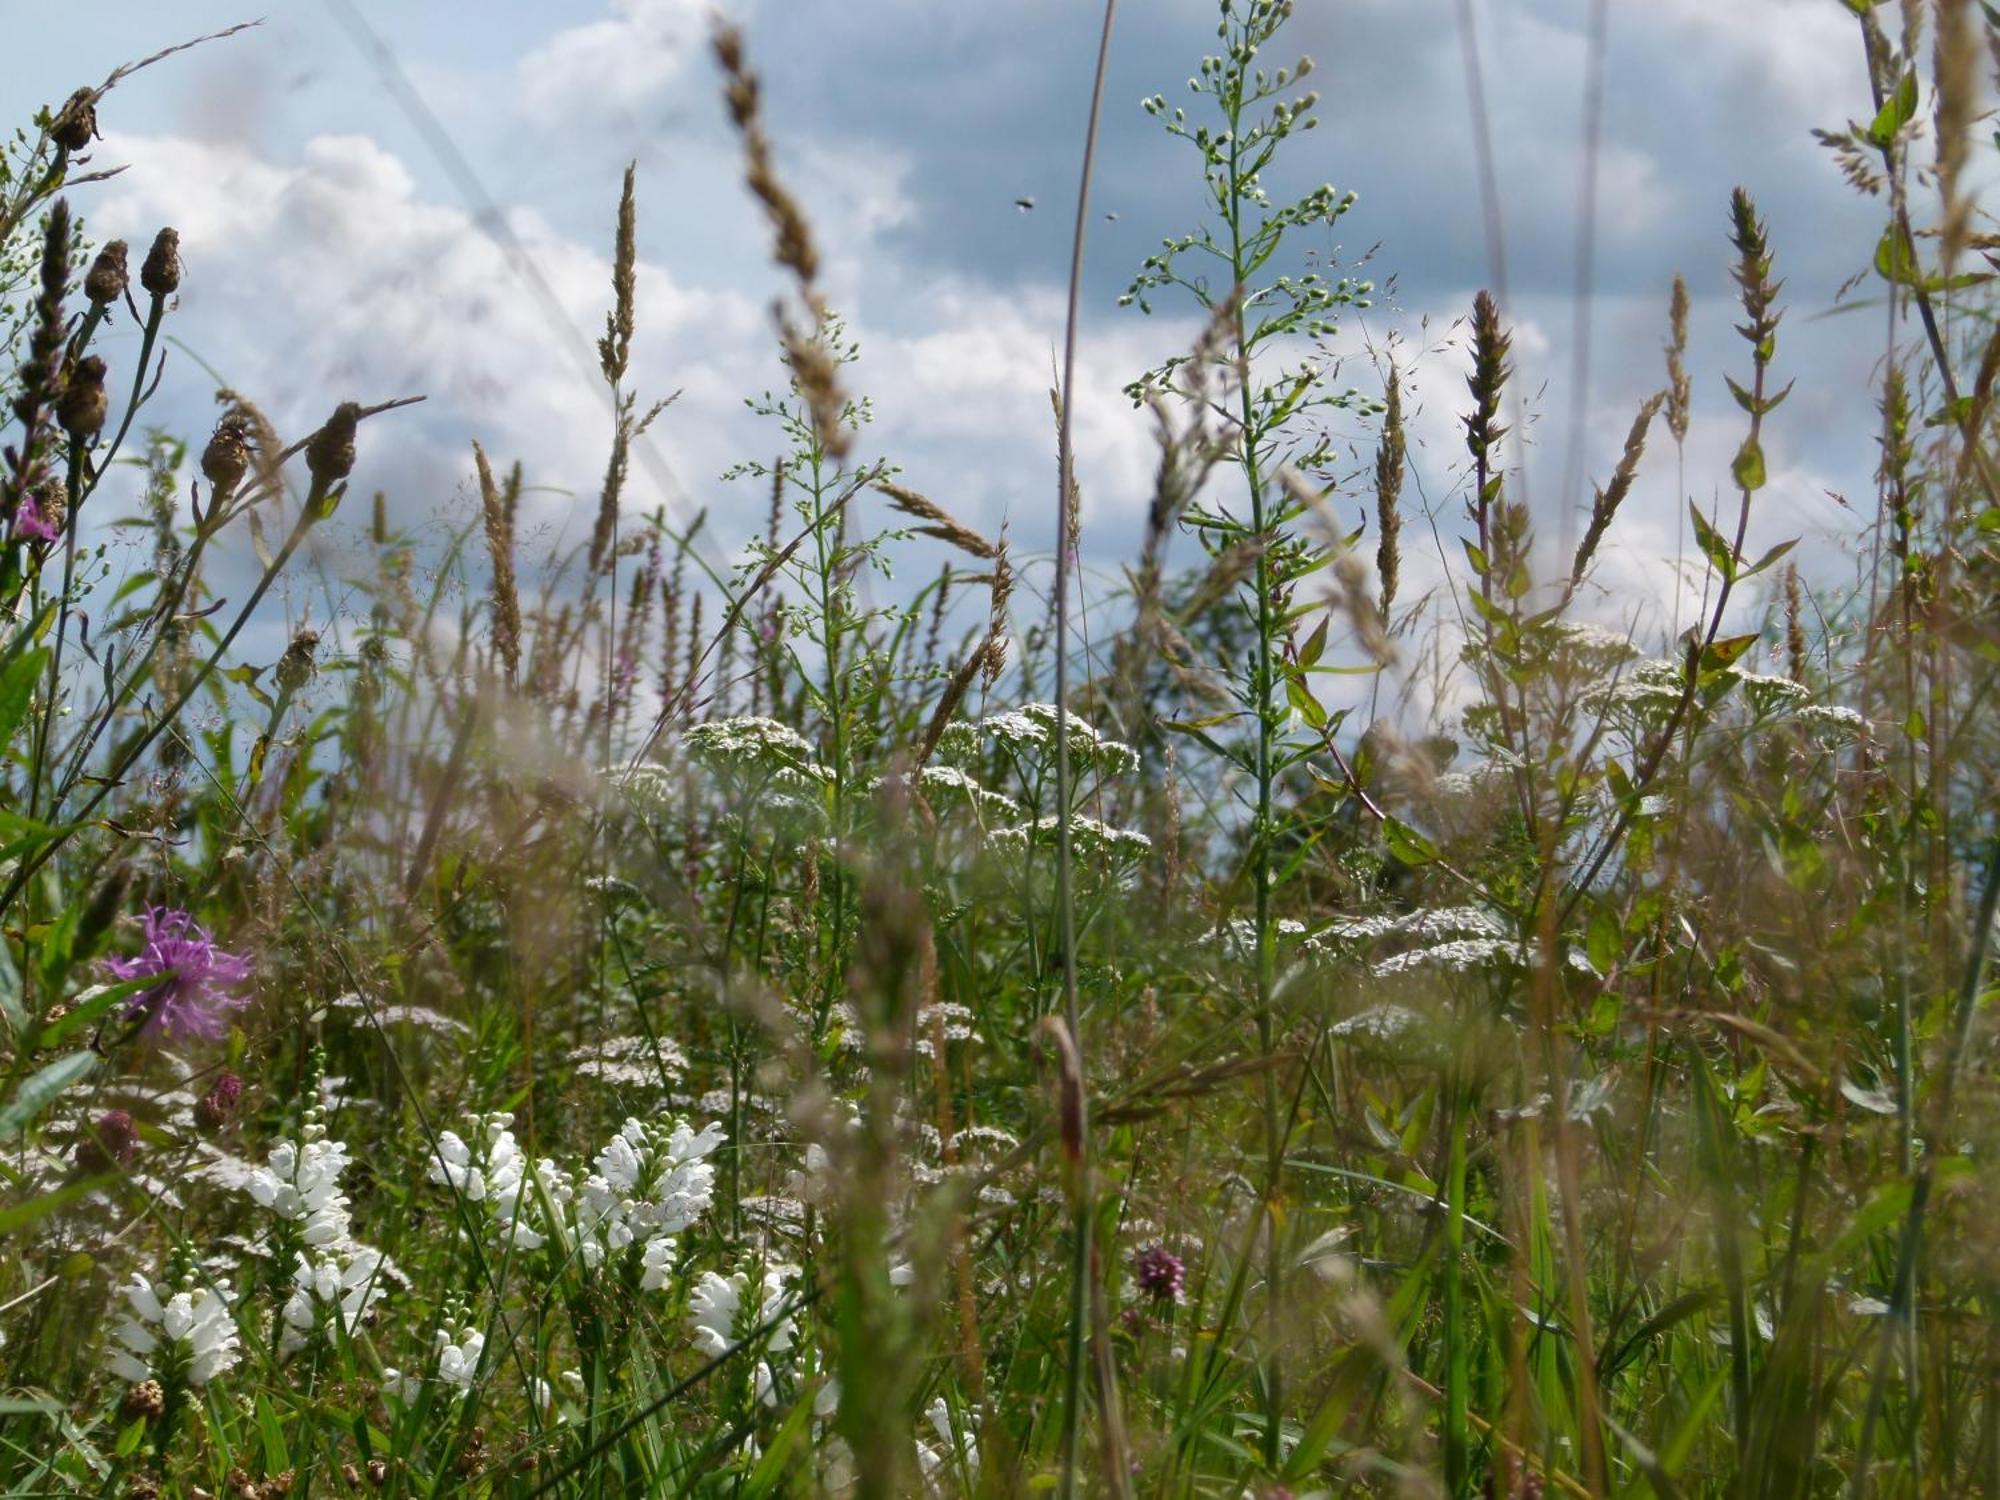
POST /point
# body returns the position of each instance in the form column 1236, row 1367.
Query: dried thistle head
column 75, row 124
column 161, row 273
column 82, row 406
column 108, row 275
column 226, row 458
column 297, row 665
column 330, row 451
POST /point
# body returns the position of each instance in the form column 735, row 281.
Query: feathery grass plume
column 1956, row 67
column 500, row 547
column 1604, row 507
column 614, row 350
column 1389, row 461
column 806, row 351
column 941, row 524
column 1679, row 387
column 1483, row 431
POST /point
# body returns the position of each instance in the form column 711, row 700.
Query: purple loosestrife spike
column 198, row 980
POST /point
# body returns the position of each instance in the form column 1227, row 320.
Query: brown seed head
column 82, row 405
column 145, row 1399
column 227, row 457
column 75, row 124
column 108, row 275
column 330, row 452
column 161, row 274
column 295, row 667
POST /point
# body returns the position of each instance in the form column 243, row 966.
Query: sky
column 333, row 251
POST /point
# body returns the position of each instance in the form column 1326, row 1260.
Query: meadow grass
column 626, row 1023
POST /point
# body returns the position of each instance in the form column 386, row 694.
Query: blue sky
column 330, row 254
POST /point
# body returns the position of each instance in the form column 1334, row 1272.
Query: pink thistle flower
column 196, row 992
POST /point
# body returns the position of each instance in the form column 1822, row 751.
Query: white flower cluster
column 336, row 1280
column 721, row 1314
column 947, row 786
column 1031, row 729
column 455, row 1357
column 188, row 1335
column 1087, row 836
column 649, row 1184
column 631, row 1062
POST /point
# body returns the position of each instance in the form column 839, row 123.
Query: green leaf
column 17, row 689
column 1406, row 844
column 1748, row 468
column 1720, row 554
column 1768, row 558
column 21, row 1215
column 1310, row 652
column 1301, row 698
column 1897, row 111
column 34, row 1095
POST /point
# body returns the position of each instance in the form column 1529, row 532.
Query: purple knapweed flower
column 196, row 992
column 1160, row 1273
column 30, row 522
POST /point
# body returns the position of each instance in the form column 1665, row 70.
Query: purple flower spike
column 196, row 992
column 1160, row 1273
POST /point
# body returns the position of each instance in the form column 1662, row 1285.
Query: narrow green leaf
column 34, row 1095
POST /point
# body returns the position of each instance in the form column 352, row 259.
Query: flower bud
column 112, row 1143
column 219, row 1103
column 82, row 405
column 108, row 275
column 161, row 274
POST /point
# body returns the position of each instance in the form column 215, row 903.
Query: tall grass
column 619, row 1023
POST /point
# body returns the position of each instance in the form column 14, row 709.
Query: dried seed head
column 1795, row 630
column 108, row 275
column 161, row 274
column 330, row 451
column 75, row 124
column 82, row 405
column 226, row 459
column 144, row 1400
column 295, row 667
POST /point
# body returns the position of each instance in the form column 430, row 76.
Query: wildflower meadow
column 1320, row 1002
